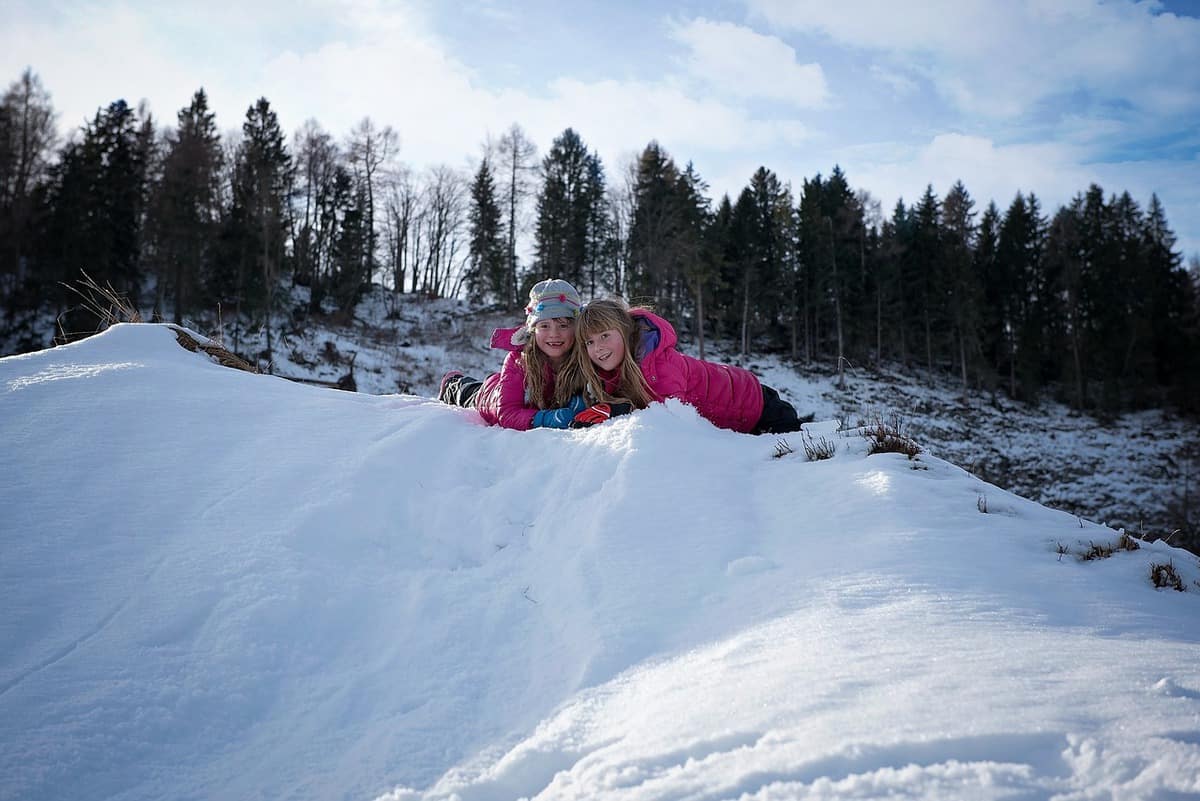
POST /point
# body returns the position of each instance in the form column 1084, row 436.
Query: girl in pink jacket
column 628, row 356
column 527, row 392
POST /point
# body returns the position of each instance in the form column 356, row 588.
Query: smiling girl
column 629, row 356
column 527, row 392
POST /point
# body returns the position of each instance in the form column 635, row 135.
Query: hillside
column 1139, row 471
column 226, row 585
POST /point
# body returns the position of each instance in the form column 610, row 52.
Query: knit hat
column 548, row 299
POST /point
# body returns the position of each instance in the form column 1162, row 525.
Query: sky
column 224, row 585
column 1043, row 96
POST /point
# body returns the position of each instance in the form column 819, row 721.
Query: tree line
column 1092, row 302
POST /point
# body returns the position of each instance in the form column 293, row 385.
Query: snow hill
column 221, row 585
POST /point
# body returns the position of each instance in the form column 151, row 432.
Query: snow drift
column 221, row 585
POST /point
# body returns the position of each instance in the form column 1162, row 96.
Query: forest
column 1089, row 303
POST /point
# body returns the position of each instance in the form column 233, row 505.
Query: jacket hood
column 667, row 338
column 502, row 339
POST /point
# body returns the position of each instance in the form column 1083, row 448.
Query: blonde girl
column 528, row 391
column 626, row 355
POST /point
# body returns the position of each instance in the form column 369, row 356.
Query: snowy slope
column 220, row 585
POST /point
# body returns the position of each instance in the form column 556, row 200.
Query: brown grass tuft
column 220, row 355
column 1163, row 574
column 889, row 436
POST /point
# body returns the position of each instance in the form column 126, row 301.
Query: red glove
column 598, row 413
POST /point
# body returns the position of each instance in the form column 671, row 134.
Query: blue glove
column 560, row 418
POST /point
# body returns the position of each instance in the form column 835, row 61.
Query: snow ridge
column 220, row 585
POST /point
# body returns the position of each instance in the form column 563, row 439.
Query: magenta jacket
column 501, row 400
column 726, row 396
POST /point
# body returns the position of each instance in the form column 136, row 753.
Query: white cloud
column 88, row 63
column 990, row 172
column 900, row 83
column 999, row 59
column 746, row 64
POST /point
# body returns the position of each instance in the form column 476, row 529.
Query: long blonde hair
column 603, row 315
column 567, row 383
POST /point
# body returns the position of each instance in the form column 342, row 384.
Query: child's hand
column 598, row 413
column 560, row 418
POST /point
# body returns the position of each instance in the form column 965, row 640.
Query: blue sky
column 1031, row 95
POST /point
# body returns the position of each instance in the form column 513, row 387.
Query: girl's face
column 606, row 349
column 554, row 338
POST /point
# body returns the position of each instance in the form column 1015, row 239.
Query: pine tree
column 1172, row 309
column 97, row 204
column 185, row 208
column 486, row 274
column 657, row 219
column 962, row 281
column 696, row 261
column 1066, row 262
column 991, row 317
column 569, row 208
column 925, row 268
column 259, row 219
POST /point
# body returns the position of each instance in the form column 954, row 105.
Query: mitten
column 599, row 412
column 559, row 418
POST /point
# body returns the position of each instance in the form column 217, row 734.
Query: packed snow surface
column 221, row 585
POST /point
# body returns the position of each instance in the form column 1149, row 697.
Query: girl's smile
column 606, row 349
column 554, row 337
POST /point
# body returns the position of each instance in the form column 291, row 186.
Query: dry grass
column 819, row 448
column 111, row 307
column 1105, row 550
column 219, row 354
column 105, row 303
column 1164, row 574
column 888, row 435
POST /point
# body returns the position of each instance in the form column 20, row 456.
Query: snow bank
column 222, row 585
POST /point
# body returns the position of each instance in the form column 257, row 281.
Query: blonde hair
column 603, row 315
column 566, row 383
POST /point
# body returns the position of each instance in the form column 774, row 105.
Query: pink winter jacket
column 501, row 400
column 726, row 396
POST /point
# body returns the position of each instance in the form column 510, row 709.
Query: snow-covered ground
column 1135, row 472
column 223, row 585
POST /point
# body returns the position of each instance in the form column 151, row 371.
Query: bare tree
column 27, row 141
column 402, row 209
column 443, row 220
column 516, row 171
column 317, row 158
column 368, row 150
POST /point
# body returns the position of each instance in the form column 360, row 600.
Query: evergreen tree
column 991, row 316
column 959, row 269
column 350, row 205
column 185, row 206
column 259, row 220
column 723, row 248
column 487, row 264
column 925, row 273
column 97, row 203
column 569, row 208
column 1066, row 261
column 657, row 219
column 1019, row 272
column 696, row 262
column 1172, row 311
